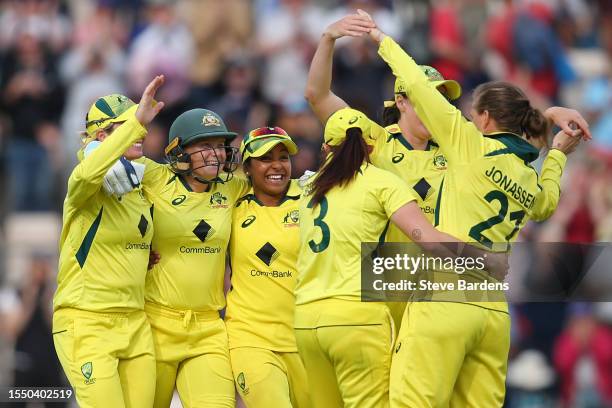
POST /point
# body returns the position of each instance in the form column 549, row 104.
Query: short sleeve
column 393, row 193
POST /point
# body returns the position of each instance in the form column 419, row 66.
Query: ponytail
column 342, row 166
column 534, row 124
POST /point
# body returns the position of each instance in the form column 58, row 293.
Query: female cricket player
column 404, row 146
column 100, row 331
column 264, row 246
column 487, row 195
column 193, row 197
column 345, row 344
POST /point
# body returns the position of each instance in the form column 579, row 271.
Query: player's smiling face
column 271, row 173
column 207, row 156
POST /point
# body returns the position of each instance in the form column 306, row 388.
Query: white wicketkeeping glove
column 123, row 177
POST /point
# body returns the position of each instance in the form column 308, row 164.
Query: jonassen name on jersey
column 511, row 187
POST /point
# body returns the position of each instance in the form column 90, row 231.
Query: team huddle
column 144, row 246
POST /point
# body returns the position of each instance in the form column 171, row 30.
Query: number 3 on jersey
column 318, row 222
column 517, row 216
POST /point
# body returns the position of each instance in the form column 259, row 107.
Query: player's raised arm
column 318, row 88
column 131, row 119
column 552, row 170
column 459, row 139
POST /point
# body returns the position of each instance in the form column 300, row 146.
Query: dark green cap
column 196, row 124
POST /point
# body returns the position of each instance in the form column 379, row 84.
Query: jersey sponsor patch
column 142, row 225
column 203, row 230
column 422, row 187
column 267, row 253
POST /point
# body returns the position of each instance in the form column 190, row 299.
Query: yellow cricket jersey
column 192, row 233
column 490, row 189
column 329, row 263
column 263, row 250
column 105, row 240
column 420, row 169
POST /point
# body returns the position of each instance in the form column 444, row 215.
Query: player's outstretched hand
column 148, row 107
column 567, row 119
column 353, row 25
column 567, row 142
column 374, row 32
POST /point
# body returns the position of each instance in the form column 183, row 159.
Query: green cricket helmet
column 195, row 125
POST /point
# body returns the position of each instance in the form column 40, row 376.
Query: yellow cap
column 341, row 121
column 453, row 89
column 109, row 109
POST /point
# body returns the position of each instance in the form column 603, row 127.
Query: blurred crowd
column 248, row 60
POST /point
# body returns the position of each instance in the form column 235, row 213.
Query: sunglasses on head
column 266, row 131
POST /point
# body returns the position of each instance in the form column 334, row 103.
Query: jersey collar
column 514, row 145
column 396, row 133
column 188, row 187
column 293, row 193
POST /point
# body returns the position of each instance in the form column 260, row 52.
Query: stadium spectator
column 41, row 18
column 221, row 30
column 583, row 357
column 286, row 44
column 87, row 72
column 164, row 47
column 25, row 320
column 32, row 96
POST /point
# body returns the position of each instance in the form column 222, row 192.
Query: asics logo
column 249, row 220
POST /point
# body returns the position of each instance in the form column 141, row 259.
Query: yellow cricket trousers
column 450, row 355
column 266, row 378
column 192, row 354
column 346, row 348
column 108, row 357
